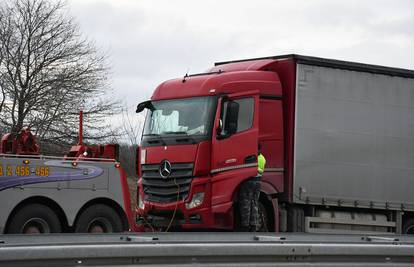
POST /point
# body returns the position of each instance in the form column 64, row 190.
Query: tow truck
column 83, row 191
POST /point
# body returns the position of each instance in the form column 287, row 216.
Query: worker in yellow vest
column 249, row 198
column 261, row 163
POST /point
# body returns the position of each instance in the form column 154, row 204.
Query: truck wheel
column 99, row 218
column 263, row 218
column 34, row 219
column 408, row 227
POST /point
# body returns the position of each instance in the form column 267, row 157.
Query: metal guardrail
column 206, row 249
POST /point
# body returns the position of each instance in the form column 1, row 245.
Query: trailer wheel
column 34, row 219
column 408, row 227
column 99, row 218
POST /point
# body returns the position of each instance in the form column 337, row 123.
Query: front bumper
column 175, row 215
column 153, row 217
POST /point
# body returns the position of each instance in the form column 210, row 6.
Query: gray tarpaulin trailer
column 354, row 142
column 354, row 138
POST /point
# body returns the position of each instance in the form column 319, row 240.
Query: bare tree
column 49, row 71
column 3, row 91
column 131, row 128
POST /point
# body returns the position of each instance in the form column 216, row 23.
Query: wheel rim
column 35, row 226
column 410, row 229
column 263, row 218
column 100, row 225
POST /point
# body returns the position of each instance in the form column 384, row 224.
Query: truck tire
column 99, row 218
column 34, row 219
column 264, row 220
column 408, row 227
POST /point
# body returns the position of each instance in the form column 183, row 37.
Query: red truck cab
column 338, row 148
column 200, row 143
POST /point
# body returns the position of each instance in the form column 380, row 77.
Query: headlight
column 141, row 204
column 196, row 201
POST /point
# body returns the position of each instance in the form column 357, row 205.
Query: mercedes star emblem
column 165, row 169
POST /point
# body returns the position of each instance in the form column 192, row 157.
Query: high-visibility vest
column 261, row 162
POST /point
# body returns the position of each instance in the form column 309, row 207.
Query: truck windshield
column 189, row 116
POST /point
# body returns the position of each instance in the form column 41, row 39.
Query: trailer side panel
column 354, row 138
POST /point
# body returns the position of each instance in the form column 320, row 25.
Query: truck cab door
column 235, row 137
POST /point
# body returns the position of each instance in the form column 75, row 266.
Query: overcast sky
column 150, row 41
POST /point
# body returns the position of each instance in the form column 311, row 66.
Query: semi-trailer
column 338, row 138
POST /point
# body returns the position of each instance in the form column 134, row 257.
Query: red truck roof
column 229, row 79
column 264, row 62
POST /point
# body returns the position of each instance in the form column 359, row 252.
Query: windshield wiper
column 172, row 132
column 185, row 136
column 182, row 139
column 158, row 136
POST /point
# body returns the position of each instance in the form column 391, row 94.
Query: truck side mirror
column 232, row 115
column 144, row 105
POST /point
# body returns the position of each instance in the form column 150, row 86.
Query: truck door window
column 245, row 118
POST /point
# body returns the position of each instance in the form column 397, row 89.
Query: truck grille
column 159, row 189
